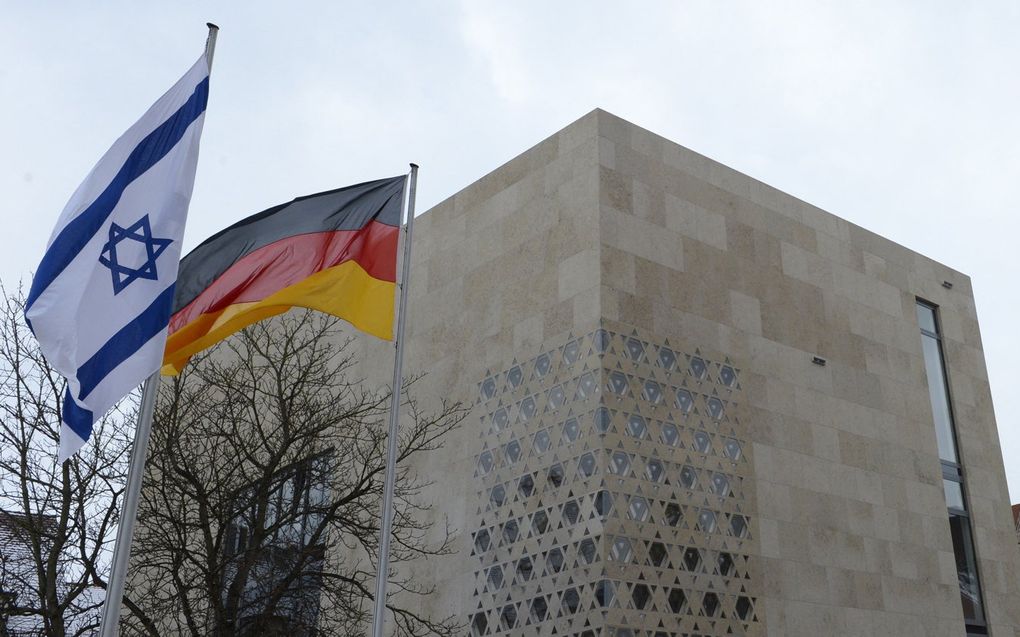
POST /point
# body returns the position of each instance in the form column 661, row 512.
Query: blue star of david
column 141, row 232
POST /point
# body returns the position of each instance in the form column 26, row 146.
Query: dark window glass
column 966, row 568
column 571, row 600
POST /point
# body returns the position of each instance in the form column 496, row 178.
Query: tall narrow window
column 952, row 471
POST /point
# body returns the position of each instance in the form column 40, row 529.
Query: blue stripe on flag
column 80, row 230
column 77, row 418
column 125, row 342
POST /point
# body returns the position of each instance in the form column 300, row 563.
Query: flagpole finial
column 210, row 43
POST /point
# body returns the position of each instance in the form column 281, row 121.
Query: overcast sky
column 898, row 116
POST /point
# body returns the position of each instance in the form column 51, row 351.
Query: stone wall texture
column 651, row 449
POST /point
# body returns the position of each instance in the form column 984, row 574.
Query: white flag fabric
column 101, row 298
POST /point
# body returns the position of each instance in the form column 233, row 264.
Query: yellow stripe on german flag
column 335, row 252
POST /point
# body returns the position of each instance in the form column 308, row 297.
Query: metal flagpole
column 382, row 574
column 125, row 530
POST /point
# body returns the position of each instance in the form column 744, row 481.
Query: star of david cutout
column 125, row 275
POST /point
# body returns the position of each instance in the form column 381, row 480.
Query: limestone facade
column 653, row 448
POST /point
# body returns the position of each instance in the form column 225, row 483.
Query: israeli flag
column 101, row 298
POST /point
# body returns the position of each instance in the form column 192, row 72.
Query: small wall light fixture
column 947, row 285
column 818, row 360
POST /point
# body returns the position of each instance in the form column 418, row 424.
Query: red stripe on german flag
column 335, row 252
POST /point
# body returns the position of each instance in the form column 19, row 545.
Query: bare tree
column 260, row 510
column 60, row 520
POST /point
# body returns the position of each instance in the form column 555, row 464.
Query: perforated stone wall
column 613, row 492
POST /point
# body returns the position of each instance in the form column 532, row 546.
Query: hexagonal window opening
column 667, row 359
column 524, row 569
column 485, row 462
column 571, row 352
column 603, row 503
column 510, row 532
column 540, row 522
column 587, row 551
column 688, row 477
column 707, row 521
column 586, row 386
column 512, row 451
column 604, row 593
column 744, row 608
column 684, row 401
column 702, row 442
column 621, row 550
column 488, row 389
column 657, row 554
column 732, row 449
column 479, row 624
column 677, row 601
column 619, row 463
column 720, row 484
column 698, row 368
column 528, row 409
column 508, row 617
column 670, row 434
column 601, row 341
column 482, row 541
column 673, row 514
column 555, row 475
column 526, row 486
column 542, row 365
column 654, row 470
column 652, row 392
column 495, row 578
column 617, row 384
column 571, row 429
column 542, row 442
column 725, row 564
column 716, row 408
column 539, row 608
column 497, row 495
column 571, row 601
column 738, row 526
column 586, row 465
column 638, row 509
column 711, row 604
column 692, row 559
column 602, row 420
column 571, row 511
column 637, row 427
column 641, row 595
column 514, row 377
column 727, row 376
column 557, row 397
column 635, row 349
column 500, row 419
column 554, row 561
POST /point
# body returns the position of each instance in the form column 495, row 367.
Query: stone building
column 700, row 407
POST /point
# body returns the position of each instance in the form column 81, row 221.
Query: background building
column 700, row 407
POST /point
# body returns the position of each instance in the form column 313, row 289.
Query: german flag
column 334, row 251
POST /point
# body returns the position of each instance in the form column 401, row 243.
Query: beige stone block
column 745, row 312
column 578, row 273
column 641, row 238
column 695, row 222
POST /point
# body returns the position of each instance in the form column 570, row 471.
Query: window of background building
column 292, row 513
